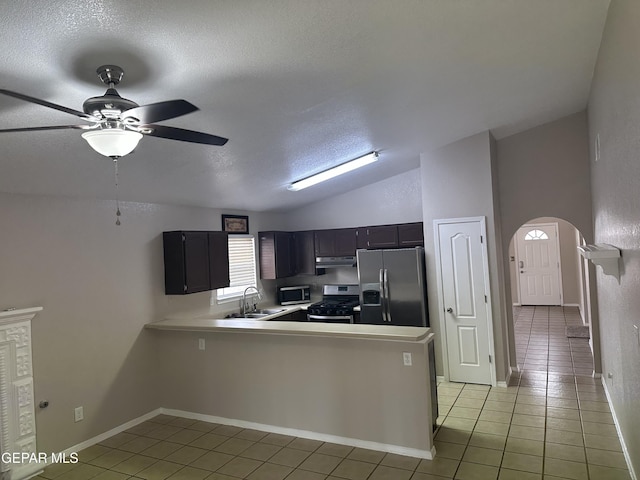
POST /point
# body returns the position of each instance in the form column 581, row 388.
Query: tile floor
column 553, row 421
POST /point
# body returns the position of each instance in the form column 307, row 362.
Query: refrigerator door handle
column 387, row 295
column 383, row 295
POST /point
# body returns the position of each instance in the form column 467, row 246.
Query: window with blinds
column 242, row 267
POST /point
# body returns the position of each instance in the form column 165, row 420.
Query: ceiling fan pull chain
column 115, row 163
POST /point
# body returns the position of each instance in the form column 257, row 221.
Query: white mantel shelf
column 12, row 315
column 604, row 255
column 274, row 327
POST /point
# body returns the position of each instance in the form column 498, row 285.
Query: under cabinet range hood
column 335, row 262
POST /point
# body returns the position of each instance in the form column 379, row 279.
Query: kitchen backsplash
column 341, row 275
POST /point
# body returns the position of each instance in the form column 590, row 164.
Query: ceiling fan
column 115, row 125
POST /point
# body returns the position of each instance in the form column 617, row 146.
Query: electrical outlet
column 406, row 358
column 201, row 344
column 635, row 327
column 78, row 413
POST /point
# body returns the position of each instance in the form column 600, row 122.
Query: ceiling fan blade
column 183, row 135
column 156, row 112
column 44, row 103
column 52, row 127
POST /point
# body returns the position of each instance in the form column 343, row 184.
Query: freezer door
column 371, row 293
column 405, row 287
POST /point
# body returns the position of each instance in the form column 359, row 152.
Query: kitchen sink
column 257, row 313
column 268, row 311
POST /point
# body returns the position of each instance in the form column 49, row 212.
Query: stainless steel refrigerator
column 393, row 288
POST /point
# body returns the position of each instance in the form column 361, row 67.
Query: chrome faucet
column 244, row 299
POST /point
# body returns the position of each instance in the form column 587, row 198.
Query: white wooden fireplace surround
column 17, row 408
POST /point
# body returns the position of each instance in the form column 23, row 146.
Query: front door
column 538, row 264
column 463, row 269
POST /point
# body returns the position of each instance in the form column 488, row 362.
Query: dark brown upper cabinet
column 285, row 254
column 403, row 235
column 277, row 255
column 195, row 261
column 304, row 243
column 339, row 242
column 383, row 236
column 411, row 235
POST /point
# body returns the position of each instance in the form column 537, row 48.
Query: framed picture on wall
column 235, row 224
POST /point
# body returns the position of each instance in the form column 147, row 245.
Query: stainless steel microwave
column 293, row 295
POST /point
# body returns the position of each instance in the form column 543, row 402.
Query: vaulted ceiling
column 296, row 85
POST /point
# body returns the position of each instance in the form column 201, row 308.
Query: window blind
column 242, row 267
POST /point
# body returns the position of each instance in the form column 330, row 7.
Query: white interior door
column 463, row 270
column 538, row 264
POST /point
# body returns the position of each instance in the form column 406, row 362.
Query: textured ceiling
column 296, row 85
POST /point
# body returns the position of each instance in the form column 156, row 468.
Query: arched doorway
column 551, row 300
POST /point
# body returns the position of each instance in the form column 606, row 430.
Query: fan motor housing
column 110, row 101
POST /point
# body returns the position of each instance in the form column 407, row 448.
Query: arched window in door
column 536, row 235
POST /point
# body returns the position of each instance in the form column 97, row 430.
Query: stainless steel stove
column 337, row 305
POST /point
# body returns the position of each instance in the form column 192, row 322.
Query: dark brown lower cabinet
column 297, row 316
column 195, row 261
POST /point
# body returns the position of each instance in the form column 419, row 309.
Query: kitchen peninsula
column 340, row 383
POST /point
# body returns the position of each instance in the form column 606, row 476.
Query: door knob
column 449, row 310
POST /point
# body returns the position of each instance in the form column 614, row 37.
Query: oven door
column 330, row 318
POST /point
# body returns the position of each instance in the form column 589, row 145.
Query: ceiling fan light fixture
column 334, row 172
column 112, row 142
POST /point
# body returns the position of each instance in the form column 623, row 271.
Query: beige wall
column 614, row 116
column 544, row 172
column 99, row 284
column 394, row 200
column 458, row 181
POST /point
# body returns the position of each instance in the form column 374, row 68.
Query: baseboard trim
column 505, row 383
column 113, row 431
column 440, row 378
column 352, row 442
column 625, row 450
column 294, row 432
column 571, row 305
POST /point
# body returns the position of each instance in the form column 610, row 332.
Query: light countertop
column 270, row 325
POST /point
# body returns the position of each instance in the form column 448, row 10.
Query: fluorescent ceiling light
column 334, row 172
column 112, row 142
